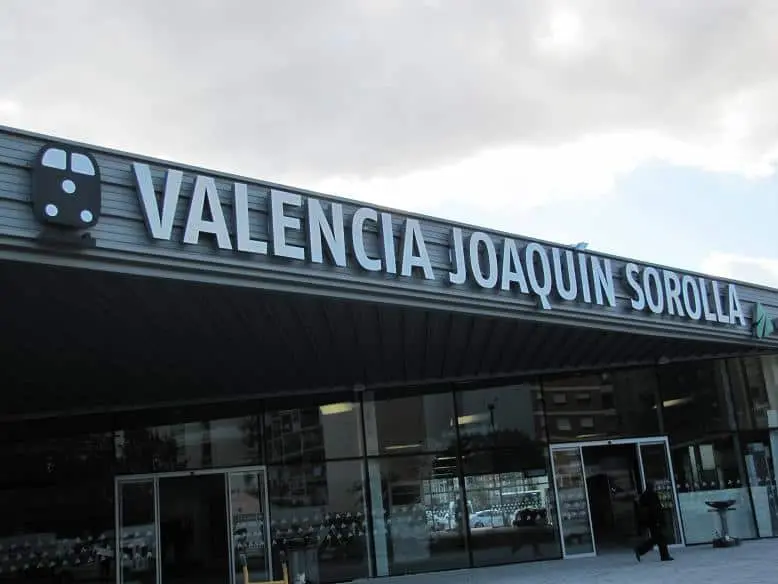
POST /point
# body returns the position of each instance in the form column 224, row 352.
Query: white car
column 487, row 518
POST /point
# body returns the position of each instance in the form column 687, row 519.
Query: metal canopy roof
column 78, row 340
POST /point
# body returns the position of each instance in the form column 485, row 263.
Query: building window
column 563, row 424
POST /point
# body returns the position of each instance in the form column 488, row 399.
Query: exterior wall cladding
column 376, row 483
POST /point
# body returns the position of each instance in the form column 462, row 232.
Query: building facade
column 201, row 370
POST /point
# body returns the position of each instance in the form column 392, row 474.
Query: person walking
column 652, row 518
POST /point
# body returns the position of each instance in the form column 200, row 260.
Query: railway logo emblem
column 66, row 187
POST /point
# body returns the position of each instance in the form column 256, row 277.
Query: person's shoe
column 668, row 559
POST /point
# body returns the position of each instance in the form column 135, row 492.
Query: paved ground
column 751, row 563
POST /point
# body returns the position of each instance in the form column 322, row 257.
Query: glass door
column 137, row 513
column 572, row 498
column 655, row 463
column 249, row 525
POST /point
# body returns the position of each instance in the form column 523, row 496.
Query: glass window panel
column 58, row 533
column 656, row 468
column 695, row 400
column 186, row 444
column 500, row 417
column 138, row 550
column 760, row 450
column 723, row 478
column 248, row 527
column 316, row 431
column 57, row 501
column 418, row 514
column 318, row 511
column 754, row 392
column 409, row 424
column 41, row 457
column 510, row 500
column 612, row 404
column 574, row 525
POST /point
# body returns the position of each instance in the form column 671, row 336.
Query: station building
column 200, row 370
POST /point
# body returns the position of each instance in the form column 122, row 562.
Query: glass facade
column 375, row 484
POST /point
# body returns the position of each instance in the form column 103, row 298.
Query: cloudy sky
column 647, row 128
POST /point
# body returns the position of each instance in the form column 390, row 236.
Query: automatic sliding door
column 137, row 532
column 656, row 469
column 249, row 525
column 572, row 502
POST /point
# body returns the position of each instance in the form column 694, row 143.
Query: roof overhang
column 190, row 284
column 81, row 340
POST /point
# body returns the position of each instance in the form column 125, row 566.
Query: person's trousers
column 656, row 538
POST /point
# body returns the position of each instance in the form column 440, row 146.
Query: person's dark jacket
column 650, row 509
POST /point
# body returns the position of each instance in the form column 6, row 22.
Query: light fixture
column 671, row 403
column 472, row 419
column 337, row 408
column 402, row 446
column 581, row 245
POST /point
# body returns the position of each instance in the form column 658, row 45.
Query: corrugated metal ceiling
column 78, row 340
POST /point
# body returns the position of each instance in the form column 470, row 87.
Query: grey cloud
column 377, row 88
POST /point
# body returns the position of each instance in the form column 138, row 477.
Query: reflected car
column 487, row 518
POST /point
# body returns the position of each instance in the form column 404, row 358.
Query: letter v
column 159, row 225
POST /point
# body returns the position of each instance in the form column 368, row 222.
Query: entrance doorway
column 613, row 484
column 597, row 485
column 201, row 525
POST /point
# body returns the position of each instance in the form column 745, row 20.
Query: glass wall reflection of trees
column 442, row 501
column 507, row 477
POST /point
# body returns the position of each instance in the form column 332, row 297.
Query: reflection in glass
column 611, row 404
column 137, row 532
column 188, row 445
column 249, row 531
column 317, row 513
column 510, row 501
column 711, row 470
column 324, row 431
column 762, row 469
column 695, row 400
column 656, row 469
column 755, row 391
column 572, row 500
column 418, row 514
column 58, row 533
column 501, row 417
column 427, row 424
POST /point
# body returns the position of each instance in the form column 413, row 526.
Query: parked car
column 488, row 518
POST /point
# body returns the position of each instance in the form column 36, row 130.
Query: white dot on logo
column 51, row 210
column 86, row 216
column 68, row 186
